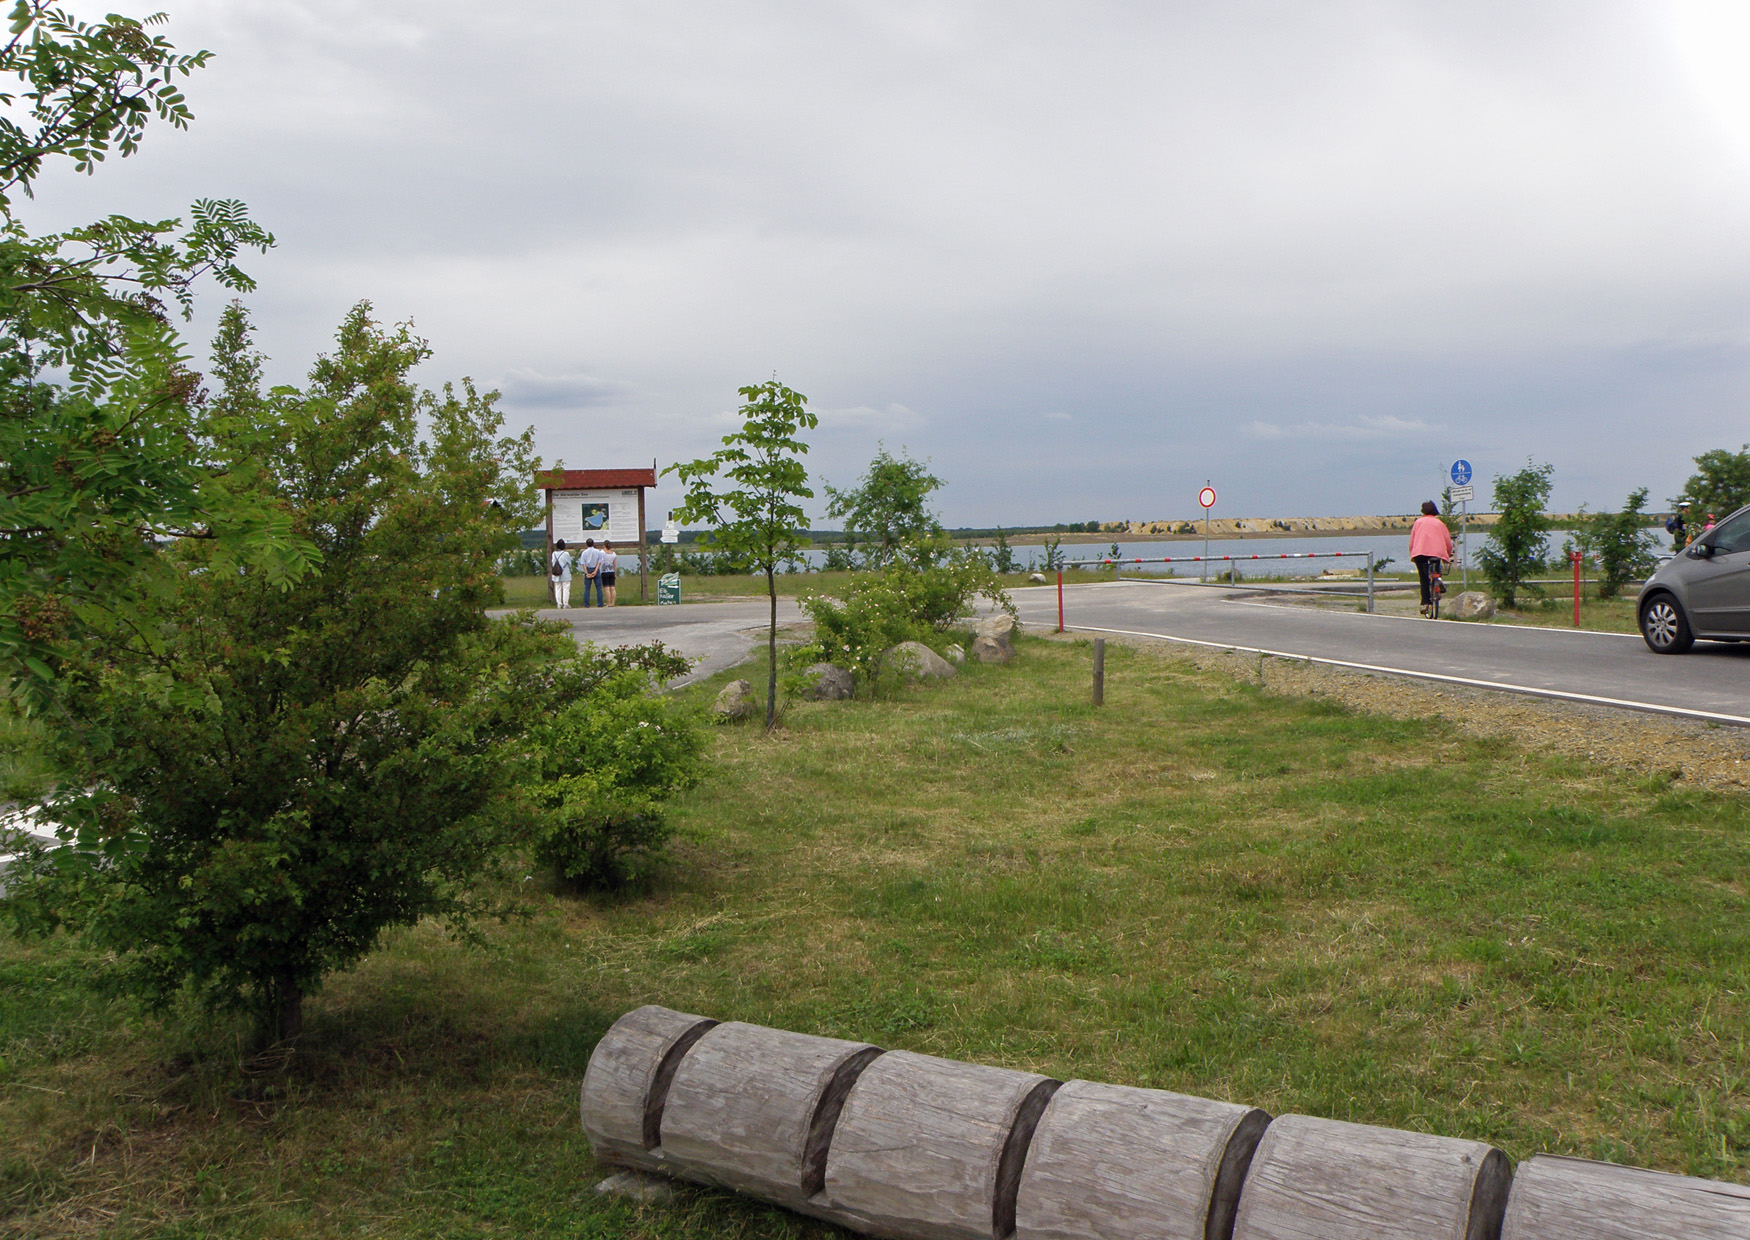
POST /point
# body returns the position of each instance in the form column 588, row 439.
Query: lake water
column 1395, row 547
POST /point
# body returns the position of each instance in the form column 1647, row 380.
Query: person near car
column 1430, row 544
column 590, row 560
column 1678, row 527
column 1711, row 522
column 559, row 569
column 610, row 566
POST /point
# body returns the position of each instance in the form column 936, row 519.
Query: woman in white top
column 559, row 569
column 610, row 566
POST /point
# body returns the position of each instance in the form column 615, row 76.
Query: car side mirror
column 1701, row 549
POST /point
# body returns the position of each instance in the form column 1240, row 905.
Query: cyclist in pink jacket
column 1430, row 542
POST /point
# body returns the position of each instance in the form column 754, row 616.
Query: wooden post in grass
column 1099, row 671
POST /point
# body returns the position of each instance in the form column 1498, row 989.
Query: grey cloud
column 1514, row 228
column 533, row 390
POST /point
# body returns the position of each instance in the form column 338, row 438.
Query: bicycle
column 1436, row 587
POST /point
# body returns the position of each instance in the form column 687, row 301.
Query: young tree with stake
column 757, row 517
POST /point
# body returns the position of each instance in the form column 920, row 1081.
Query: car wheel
column 1665, row 627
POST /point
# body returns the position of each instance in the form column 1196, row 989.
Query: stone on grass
column 1036, row 577
column 988, row 649
column 1473, row 605
column 1001, row 625
column 827, row 683
column 916, row 661
column 636, row 1186
column 734, row 702
column 956, row 655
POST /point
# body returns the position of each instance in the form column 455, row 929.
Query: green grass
column 1199, row 887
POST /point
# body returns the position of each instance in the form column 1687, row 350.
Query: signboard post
column 1461, row 494
column 604, row 504
column 668, row 589
column 1206, row 497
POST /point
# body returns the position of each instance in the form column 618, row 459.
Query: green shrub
column 604, row 763
column 1619, row 542
column 920, row 597
column 1519, row 540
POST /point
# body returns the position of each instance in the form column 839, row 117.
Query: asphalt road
column 1607, row 669
column 1610, row 669
column 718, row 635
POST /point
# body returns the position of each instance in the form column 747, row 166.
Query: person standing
column 591, row 562
column 610, row 566
column 1678, row 527
column 559, row 569
column 1430, row 544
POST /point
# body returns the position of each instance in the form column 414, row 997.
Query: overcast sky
column 1079, row 256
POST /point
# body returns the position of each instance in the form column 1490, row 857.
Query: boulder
column 1001, row 625
column 1036, row 578
column 735, row 701
column 956, row 655
column 916, row 661
column 1473, row 605
column 827, row 683
column 988, row 649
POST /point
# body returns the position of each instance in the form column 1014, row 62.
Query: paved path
column 719, row 635
column 1611, row 669
column 1608, row 669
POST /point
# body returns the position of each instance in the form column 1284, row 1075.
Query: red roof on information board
column 589, row 479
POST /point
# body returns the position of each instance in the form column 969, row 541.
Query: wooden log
column 753, row 1109
column 1557, row 1198
column 1110, row 1163
column 930, row 1149
column 1319, row 1179
column 627, row 1082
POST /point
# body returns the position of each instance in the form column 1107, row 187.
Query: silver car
column 1702, row 591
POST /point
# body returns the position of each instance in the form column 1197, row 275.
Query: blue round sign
column 1460, row 473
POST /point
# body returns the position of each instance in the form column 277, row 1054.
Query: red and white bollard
column 1576, row 557
column 1060, row 600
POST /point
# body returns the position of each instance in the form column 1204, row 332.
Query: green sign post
column 668, row 588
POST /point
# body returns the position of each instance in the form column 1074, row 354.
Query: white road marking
column 1528, row 690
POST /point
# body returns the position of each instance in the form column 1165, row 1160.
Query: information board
column 611, row 515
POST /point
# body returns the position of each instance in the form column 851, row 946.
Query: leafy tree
column 1002, row 556
column 288, row 768
column 888, row 508
column 1619, row 542
column 106, row 449
column 756, row 519
column 1518, row 541
column 1721, row 483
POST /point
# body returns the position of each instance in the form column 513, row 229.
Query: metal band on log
column 931, row 1149
column 1319, row 1179
column 1573, row 1199
column 1110, row 1163
column 627, row 1082
column 754, row 1109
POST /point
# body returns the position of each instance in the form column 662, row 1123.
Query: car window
column 1733, row 534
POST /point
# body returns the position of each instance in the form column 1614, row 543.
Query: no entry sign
column 1206, row 497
